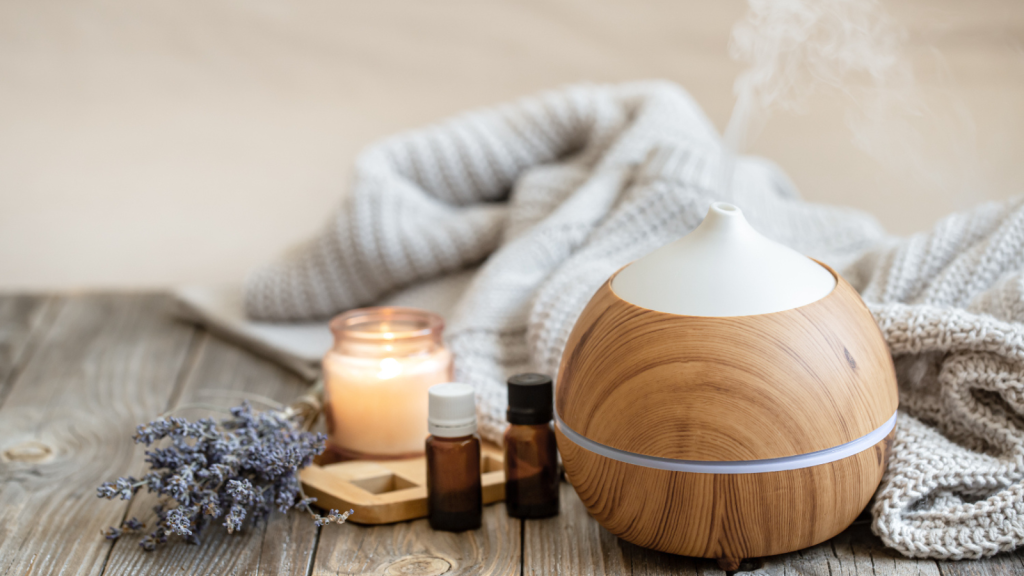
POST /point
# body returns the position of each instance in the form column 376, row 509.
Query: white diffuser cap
column 723, row 268
column 452, row 410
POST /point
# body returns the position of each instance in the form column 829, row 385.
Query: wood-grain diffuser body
column 725, row 397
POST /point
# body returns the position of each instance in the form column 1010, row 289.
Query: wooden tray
column 386, row 491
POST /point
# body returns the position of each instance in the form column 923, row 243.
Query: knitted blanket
column 554, row 193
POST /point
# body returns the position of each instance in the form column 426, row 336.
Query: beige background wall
column 153, row 143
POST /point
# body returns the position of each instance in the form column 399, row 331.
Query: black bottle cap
column 529, row 399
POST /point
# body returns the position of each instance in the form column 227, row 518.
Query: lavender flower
column 333, row 517
column 177, row 488
column 179, row 520
column 124, row 487
column 241, row 491
column 150, row 542
column 246, row 465
column 233, row 521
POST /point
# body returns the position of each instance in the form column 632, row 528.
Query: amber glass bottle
column 531, row 456
column 454, row 492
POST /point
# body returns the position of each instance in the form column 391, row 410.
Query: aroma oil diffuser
column 725, row 397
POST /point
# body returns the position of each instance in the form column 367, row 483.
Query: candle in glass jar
column 376, row 379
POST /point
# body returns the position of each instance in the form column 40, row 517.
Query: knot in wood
column 418, row 566
column 31, row 451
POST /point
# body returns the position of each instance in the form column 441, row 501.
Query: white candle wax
column 376, row 404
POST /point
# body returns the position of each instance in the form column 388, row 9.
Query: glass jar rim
column 344, row 325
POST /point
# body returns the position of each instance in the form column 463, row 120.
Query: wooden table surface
column 78, row 372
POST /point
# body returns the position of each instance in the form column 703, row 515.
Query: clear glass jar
column 376, row 379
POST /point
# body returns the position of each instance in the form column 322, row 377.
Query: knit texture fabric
column 554, row 193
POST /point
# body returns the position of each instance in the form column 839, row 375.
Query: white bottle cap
column 452, row 410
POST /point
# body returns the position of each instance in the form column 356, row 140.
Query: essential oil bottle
column 454, row 493
column 531, row 455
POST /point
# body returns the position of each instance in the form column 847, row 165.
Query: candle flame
column 389, row 368
column 389, row 336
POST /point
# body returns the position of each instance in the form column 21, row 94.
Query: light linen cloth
column 554, row 193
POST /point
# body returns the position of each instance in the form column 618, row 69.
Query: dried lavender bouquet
column 237, row 469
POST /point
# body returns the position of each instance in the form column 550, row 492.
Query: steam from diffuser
column 797, row 48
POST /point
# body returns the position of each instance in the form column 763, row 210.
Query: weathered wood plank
column 571, row 543
column 1000, row 565
column 82, row 371
column 106, row 363
column 856, row 551
column 222, row 375
column 413, row 548
column 574, row 543
column 289, row 544
column 645, row 562
column 808, row 562
column 22, row 319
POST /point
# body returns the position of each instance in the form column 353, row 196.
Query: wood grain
column 732, row 388
column 573, row 543
column 724, row 515
column 388, row 491
column 854, row 552
column 105, row 364
column 413, row 548
column 1005, row 563
column 289, row 545
column 100, row 364
column 283, row 545
column 22, row 320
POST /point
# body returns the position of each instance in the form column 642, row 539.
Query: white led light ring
column 733, row 467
